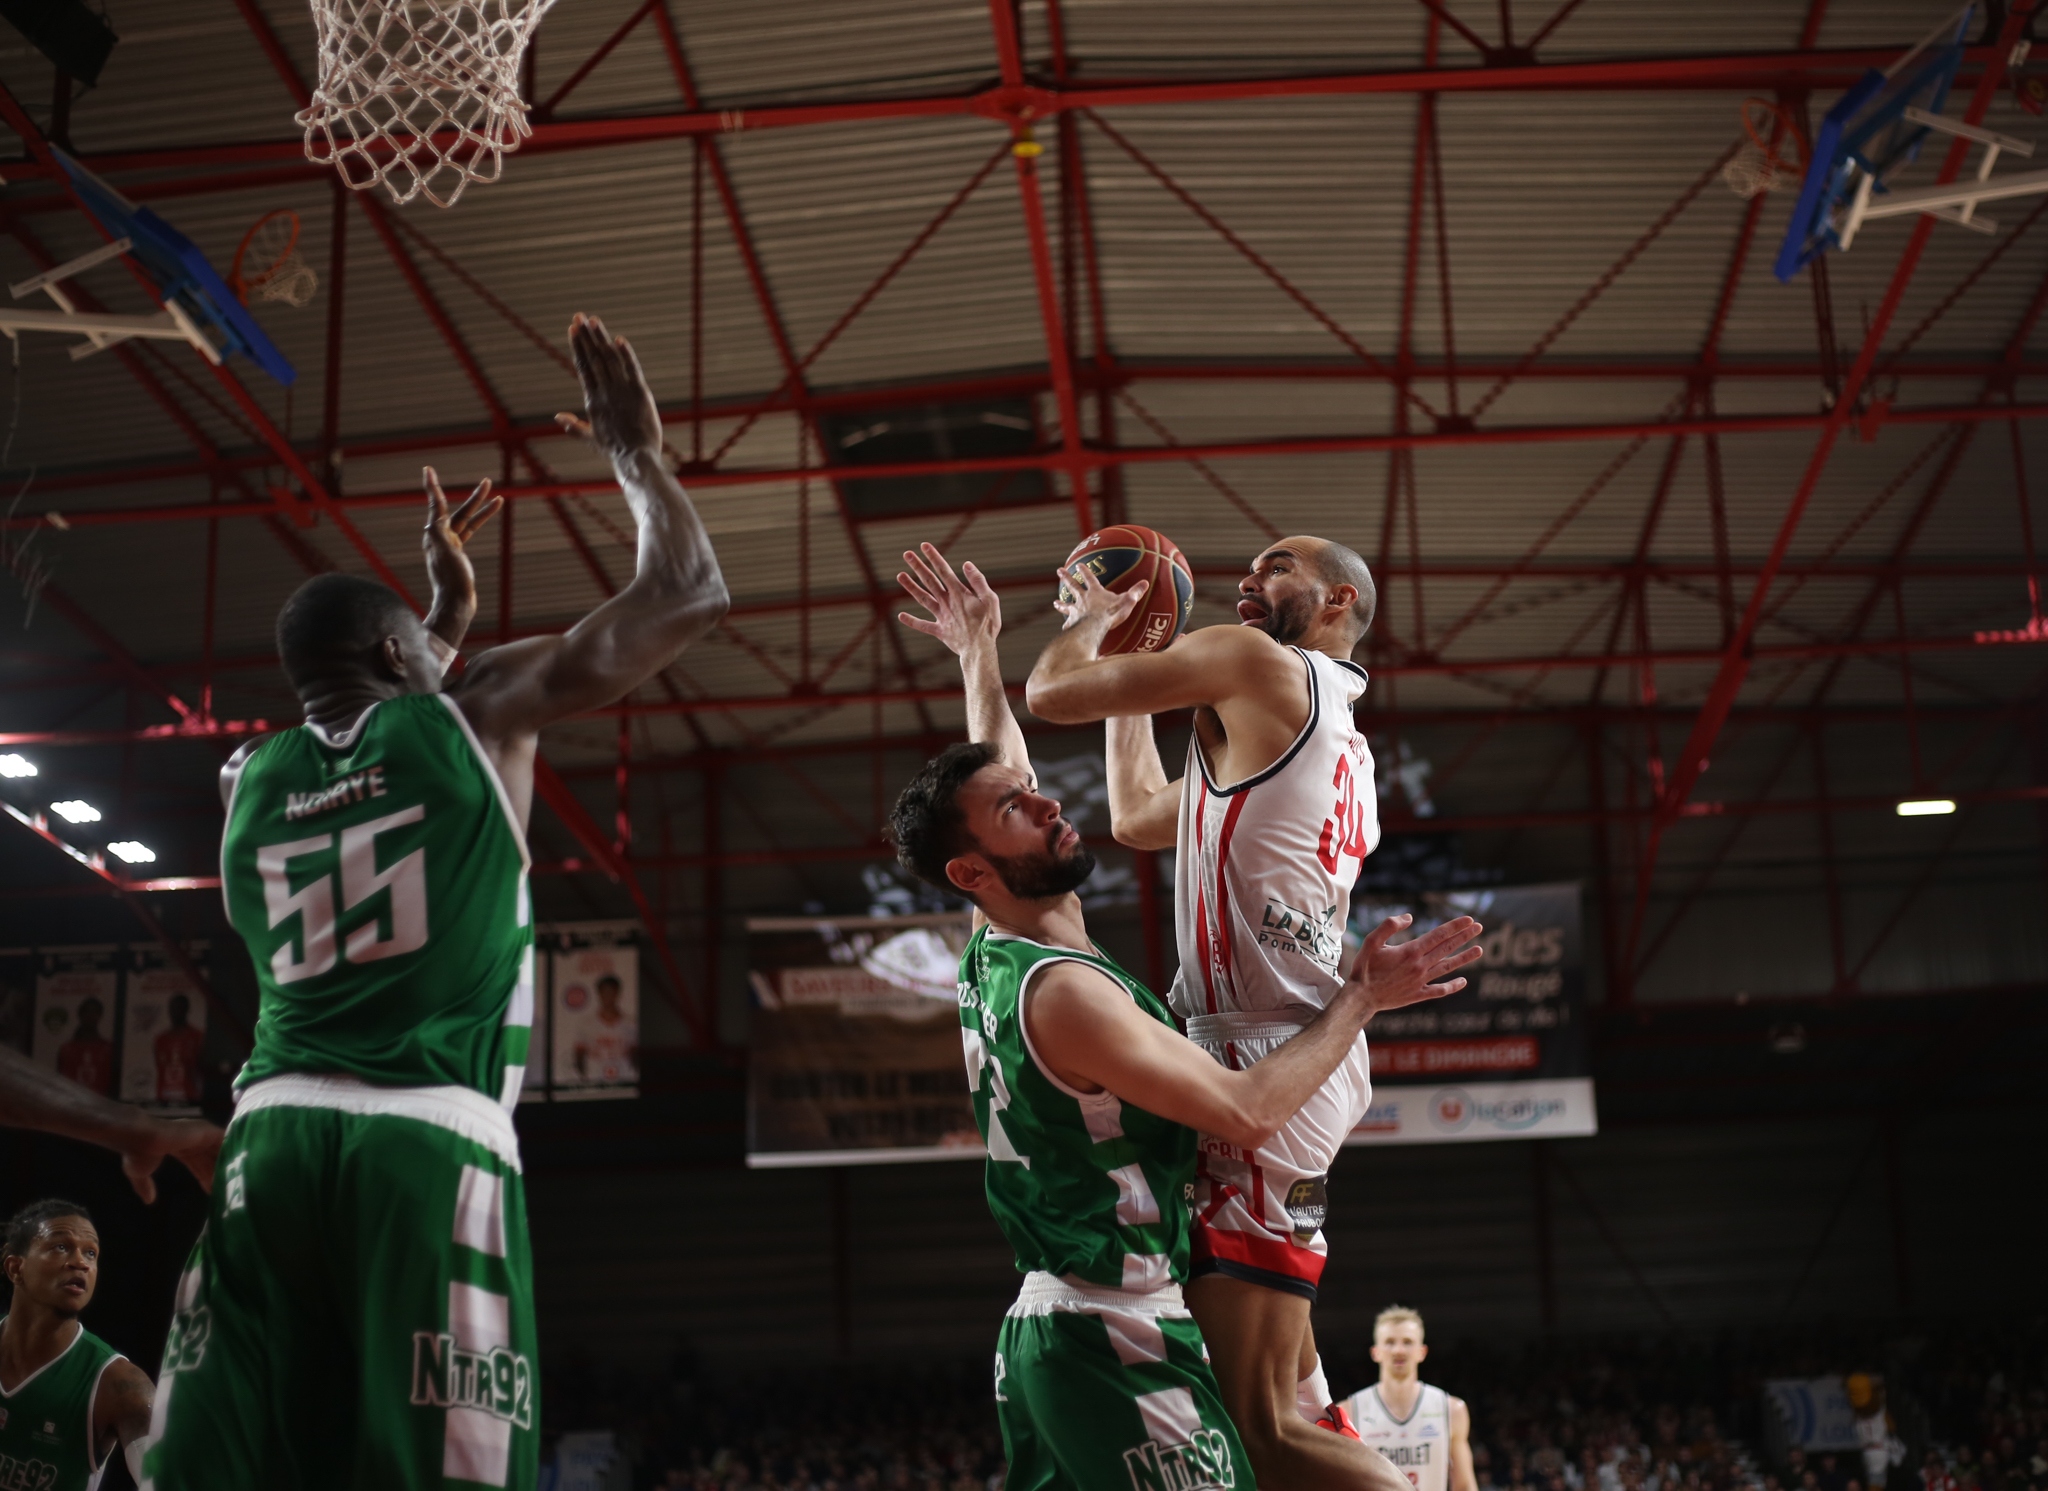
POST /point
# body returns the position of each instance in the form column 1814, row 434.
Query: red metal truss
column 1745, row 72
column 1037, row 110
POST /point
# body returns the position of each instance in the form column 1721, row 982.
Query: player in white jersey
column 1273, row 818
column 1423, row 1431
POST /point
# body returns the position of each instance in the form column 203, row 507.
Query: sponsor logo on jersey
column 1308, row 1206
column 498, row 1381
column 26, row 1474
column 1203, row 1462
column 1287, row 929
column 1405, row 1455
column 358, row 786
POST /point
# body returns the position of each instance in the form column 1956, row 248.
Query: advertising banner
column 1505, row 1057
column 595, row 1021
column 162, row 1035
column 856, row 1041
column 75, row 1003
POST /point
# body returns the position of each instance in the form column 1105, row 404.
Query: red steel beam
column 1090, row 377
column 795, row 380
column 1025, row 151
column 1742, row 72
column 1736, row 661
column 1533, row 716
column 1514, row 435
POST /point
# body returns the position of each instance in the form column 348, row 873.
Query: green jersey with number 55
column 379, row 879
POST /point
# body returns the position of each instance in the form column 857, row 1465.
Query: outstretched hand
column 194, row 1143
column 1086, row 602
column 1395, row 977
column 623, row 419
column 966, row 612
column 447, row 534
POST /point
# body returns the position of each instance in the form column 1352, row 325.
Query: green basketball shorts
column 1108, row 1390
column 358, row 1312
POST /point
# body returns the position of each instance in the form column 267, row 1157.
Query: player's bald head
column 1334, row 564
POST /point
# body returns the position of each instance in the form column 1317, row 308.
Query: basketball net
column 269, row 266
column 420, row 97
column 1765, row 163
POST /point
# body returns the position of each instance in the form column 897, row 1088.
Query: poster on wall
column 1505, row 1057
column 595, row 1020
column 76, row 990
column 163, row 1034
column 856, row 1041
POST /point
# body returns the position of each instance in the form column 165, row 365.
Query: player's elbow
column 703, row 608
column 1244, row 1126
column 1136, row 832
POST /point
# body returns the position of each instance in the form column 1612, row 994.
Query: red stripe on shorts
column 1255, row 1250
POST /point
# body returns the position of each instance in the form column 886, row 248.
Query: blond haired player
column 1272, row 819
column 1423, row 1431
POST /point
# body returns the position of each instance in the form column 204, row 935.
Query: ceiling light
column 76, row 811
column 12, row 765
column 132, row 852
column 1926, row 807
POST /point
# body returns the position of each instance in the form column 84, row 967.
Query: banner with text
column 1505, row 1057
column 856, row 1041
column 75, row 1007
column 163, row 1034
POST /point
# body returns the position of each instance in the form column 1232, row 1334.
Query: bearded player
column 1272, row 820
column 68, row 1400
column 1088, row 1099
column 359, row 1310
column 1423, row 1431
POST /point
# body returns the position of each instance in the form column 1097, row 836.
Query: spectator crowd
column 1577, row 1414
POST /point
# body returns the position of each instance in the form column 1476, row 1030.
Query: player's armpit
column 1215, row 663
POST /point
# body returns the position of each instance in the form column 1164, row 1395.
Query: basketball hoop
column 268, row 264
column 1760, row 166
column 420, row 97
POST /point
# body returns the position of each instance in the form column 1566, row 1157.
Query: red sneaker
column 1337, row 1421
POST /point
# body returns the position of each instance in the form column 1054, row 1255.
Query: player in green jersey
column 1088, row 1099
column 359, row 1310
column 68, row 1400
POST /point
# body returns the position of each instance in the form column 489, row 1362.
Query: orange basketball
column 1119, row 558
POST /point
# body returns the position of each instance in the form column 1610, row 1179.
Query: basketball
column 1119, row 558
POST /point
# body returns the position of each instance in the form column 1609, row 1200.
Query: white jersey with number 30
column 1266, row 865
column 1419, row 1445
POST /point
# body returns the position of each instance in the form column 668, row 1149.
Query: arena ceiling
column 1459, row 284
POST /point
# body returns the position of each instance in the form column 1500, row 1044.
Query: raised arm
column 1073, row 685
column 1090, row 1035
column 676, row 595
column 966, row 615
column 446, row 545
column 1144, row 808
column 32, row 1097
